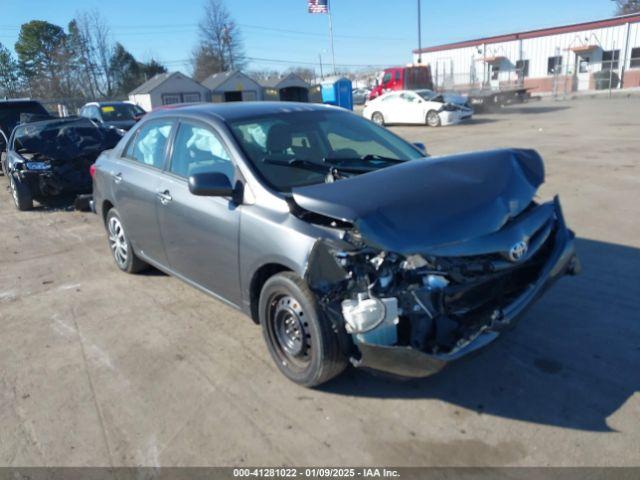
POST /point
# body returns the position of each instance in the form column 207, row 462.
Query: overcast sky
column 281, row 32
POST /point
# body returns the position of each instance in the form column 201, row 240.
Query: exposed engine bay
column 410, row 309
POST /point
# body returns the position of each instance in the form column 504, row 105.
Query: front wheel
column 21, row 193
column 378, row 119
column 301, row 341
column 121, row 249
column 433, row 119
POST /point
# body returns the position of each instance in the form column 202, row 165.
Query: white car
column 417, row 107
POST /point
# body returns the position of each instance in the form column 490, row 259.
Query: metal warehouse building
column 578, row 57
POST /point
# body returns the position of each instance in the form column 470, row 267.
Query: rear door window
column 150, row 144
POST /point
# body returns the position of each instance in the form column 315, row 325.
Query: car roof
column 18, row 101
column 234, row 111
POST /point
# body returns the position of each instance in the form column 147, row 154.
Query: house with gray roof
column 233, row 86
column 167, row 89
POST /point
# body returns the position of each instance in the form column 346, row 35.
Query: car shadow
column 65, row 202
column 571, row 362
column 477, row 121
column 528, row 110
column 152, row 272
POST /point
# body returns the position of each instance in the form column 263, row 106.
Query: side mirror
column 210, row 185
column 421, row 146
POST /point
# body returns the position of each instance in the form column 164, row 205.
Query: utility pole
column 320, row 58
column 333, row 52
column 419, row 33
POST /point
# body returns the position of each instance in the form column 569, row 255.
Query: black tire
column 433, row 119
column 3, row 159
column 120, row 246
column 21, row 193
column 378, row 119
column 286, row 299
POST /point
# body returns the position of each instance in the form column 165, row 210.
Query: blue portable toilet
column 337, row 91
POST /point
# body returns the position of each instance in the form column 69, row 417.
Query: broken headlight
column 37, row 166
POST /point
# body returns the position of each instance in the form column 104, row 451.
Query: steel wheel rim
column 14, row 190
column 288, row 331
column 432, row 119
column 118, row 242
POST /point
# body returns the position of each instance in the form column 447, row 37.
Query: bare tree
column 220, row 47
column 307, row 74
column 94, row 48
column 625, row 7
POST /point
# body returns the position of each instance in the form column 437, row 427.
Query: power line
column 189, row 27
column 283, row 61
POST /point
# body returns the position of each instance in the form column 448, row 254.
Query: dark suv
column 334, row 234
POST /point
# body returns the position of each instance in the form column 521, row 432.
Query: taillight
column 92, row 170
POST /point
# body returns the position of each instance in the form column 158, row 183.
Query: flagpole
column 333, row 52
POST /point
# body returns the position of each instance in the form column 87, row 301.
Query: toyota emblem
column 518, row 251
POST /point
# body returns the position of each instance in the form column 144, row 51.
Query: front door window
column 198, row 150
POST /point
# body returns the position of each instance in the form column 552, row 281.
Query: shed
column 290, row 88
column 233, row 86
column 168, row 89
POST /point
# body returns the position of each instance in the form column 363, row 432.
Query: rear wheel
column 21, row 193
column 378, row 118
column 300, row 339
column 121, row 249
column 433, row 119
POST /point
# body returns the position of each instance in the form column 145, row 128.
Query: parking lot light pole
column 419, row 33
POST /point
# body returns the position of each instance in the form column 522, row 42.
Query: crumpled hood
column 410, row 207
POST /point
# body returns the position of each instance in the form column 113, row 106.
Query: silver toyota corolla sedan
column 343, row 241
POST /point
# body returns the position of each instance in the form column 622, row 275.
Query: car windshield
column 304, row 148
column 426, row 94
column 120, row 111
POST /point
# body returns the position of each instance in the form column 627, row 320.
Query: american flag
column 318, row 6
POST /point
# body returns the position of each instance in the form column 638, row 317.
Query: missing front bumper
column 410, row 362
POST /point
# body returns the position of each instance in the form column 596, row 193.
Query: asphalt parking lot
column 102, row 368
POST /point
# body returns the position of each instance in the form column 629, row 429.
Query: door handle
column 165, row 197
column 117, row 177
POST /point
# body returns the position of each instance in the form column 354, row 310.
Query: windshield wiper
column 325, row 167
column 366, row 158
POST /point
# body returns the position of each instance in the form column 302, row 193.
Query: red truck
column 414, row 77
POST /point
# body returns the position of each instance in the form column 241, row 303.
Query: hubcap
column 377, row 119
column 287, row 325
column 14, row 190
column 118, row 241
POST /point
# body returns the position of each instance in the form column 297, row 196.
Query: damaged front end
column 54, row 157
column 411, row 313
